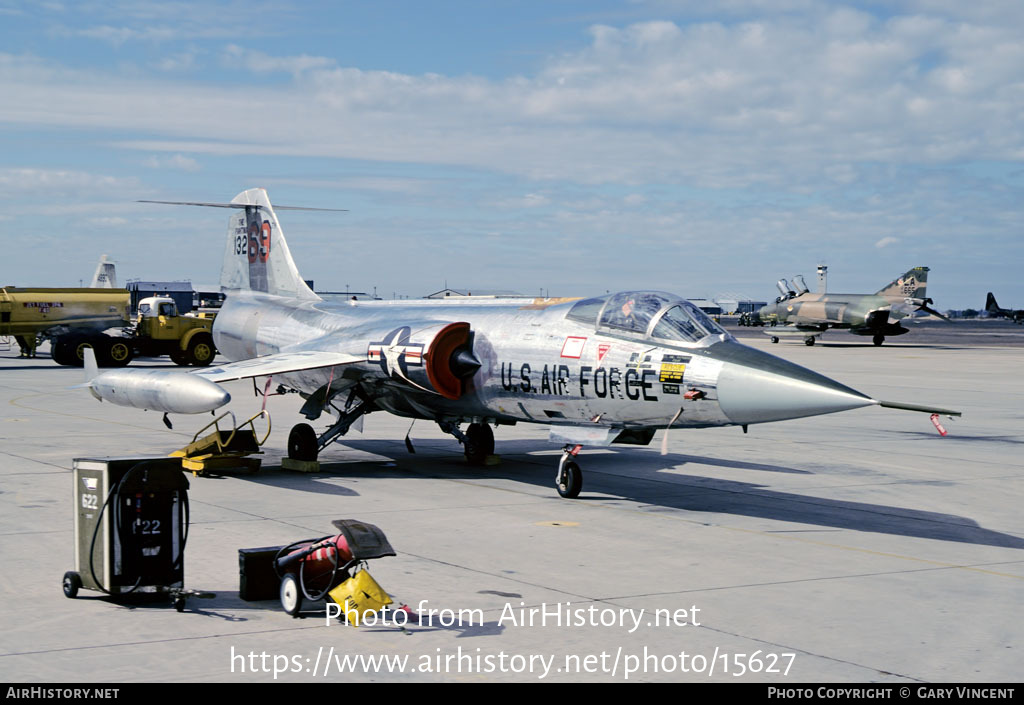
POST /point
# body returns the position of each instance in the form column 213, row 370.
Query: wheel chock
column 300, row 465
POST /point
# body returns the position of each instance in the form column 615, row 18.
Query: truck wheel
column 179, row 357
column 119, row 352
column 60, row 351
column 201, row 350
column 76, row 350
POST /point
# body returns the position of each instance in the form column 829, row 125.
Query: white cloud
column 258, row 62
column 886, row 241
column 176, row 161
column 180, row 61
column 14, row 182
column 772, row 101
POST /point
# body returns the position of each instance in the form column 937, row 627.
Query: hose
column 115, row 491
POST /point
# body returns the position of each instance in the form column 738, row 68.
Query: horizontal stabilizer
column 243, row 206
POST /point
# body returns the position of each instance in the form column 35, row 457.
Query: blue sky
column 570, row 147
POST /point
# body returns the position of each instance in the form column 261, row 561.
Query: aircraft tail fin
column 990, row 304
column 911, row 285
column 89, row 364
column 256, row 256
column 105, row 276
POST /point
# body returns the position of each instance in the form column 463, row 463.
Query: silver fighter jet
column 609, row 369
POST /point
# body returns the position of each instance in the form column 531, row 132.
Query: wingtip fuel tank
column 168, row 391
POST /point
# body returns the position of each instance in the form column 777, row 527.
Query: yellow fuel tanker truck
column 74, row 319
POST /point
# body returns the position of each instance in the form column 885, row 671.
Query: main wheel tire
column 809, row 342
column 878, row 339
column 291, row 595
column 71, row 583
column 302, row 442
column 571, row 481
column 201, row 350
column 479, row 443
column 775, row 338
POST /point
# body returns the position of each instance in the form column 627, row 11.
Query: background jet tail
column 990, row 304
column 912, row 285
column 105, row 276
column 256, row 256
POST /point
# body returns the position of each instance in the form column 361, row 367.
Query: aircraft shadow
column 284, row 479
column 898, row 346
column 961, row 437
column 666, row 493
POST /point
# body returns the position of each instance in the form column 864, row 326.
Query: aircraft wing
column 277, row 364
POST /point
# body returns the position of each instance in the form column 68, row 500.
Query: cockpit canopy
column 646, row 314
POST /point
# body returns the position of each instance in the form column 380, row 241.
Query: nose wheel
column 569, row 480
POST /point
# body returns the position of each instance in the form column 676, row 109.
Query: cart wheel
column 71, row 583
column 291, row 595
column 179, row 604
column 571, row 481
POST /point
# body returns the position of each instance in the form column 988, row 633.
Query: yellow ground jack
column 224, row 449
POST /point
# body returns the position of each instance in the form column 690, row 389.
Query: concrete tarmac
column 859, row 546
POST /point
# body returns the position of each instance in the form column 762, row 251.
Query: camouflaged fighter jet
column 805, row 315
column 603, row 370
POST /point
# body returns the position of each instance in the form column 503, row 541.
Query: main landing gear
column 305, row 445
column 477, row 442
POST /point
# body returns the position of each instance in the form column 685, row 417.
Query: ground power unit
column 131, row 525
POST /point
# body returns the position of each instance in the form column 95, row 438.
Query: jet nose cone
column 755, row 387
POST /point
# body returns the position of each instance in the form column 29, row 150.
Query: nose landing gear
column 569, row 480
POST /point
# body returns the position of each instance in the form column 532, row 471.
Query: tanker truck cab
column 156, row 306
column 160, row 330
